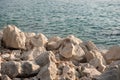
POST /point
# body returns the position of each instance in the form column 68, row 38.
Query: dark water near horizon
column 96, row 20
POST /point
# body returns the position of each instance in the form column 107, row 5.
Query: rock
column 16, row 79
column 15, row 55
column 48, row 67
column 53, row 43
column 0, row 64
column 45, row 58
column 68, row 73
column 39, row 40
column 88, row 71
column 0, row 75
column 74, row 39
column 29, row 35
column 79, row 53
column 19, row 69
column 113, row 54
column 5, row 77
column 114, row 63
column 32, row 54
column 96, row 59
column 112, row 73
column 85, row 78
column 91, row 46
column 13, row 37
column 66, row 70
column 48, row 72
column 88, row 46
column 68, row 49
column 5, row 56
column 29, row 68
column 1, row 35
column 28, row 44
column 32, row 78
column 91, row 72
column 11, row 68
column 54, row 39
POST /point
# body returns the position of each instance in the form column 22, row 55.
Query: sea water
column 95, row 20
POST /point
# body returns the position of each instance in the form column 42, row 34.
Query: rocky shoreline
column 30, row 56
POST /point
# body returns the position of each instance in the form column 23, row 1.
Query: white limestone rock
column 70, row 49
column 39, row 40
column 14, row 37
column 54, row 43
column 97, row 60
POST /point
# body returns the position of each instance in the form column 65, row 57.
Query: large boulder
column 39, row 40
column 74, row 39
column 12, row 68
column 53, row 43
column 13, row 37
column 29, row 68
column 70, row 49
column 113, row 73
column 114, row 63
column 85, row 69
column 96, row 59
column 48, row 67
column 19, row 69
column 45, row 58
column 48, row 72
column 67, row 49
column 113, row 54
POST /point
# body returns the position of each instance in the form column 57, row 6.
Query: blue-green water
column 96, row 20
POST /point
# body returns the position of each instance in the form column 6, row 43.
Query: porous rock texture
column 30, row 56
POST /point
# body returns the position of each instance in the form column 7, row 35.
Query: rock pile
column 30, row 56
